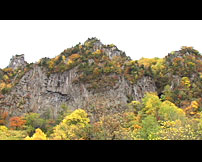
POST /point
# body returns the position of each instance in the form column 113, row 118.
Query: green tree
column 149, row 126
column 34, row 121
column 170, row 112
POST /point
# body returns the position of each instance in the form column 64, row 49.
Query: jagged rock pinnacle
column 17, row 61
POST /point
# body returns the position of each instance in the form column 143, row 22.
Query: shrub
column 17, row 122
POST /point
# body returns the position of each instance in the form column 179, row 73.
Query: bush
column 33, row 121
column 5, row 90
column 149, row 126
column 6, row 134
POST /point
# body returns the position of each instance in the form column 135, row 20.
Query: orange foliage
column 96, row 71
column 74, row 56
column 177, row 61
column 192, row 109
column 147, row 61
column 17, row 122
column 3, row 117
column 127, row 70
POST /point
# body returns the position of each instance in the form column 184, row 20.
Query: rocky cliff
column 42, row 88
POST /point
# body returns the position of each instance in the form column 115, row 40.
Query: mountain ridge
column 89, row 76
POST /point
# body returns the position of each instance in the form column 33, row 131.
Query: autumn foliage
column 38, row 135
column 17, row 122
column 3, row 117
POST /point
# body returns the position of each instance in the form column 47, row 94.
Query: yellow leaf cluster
column 87, row 44
column 51, row 64
column 186, row 81
column 175, row 130
column 71, row 125
column 97, row 52
column 6, row 134
column 3, row 128
column 8, row 70
column 5, row 77
column 200, row 75
column 135, row 102
column 80, row 46
column 194, row 104
column 147, row 61
column 111, row 45
column 38, row 135
column 192, row 109
column 191, row 63
column 170, row 111
column 56, row 58
column 69, row 62
column 152, row 103
column 132, row 62
column 9, row 86
column 158, row 66
column 4, row 85
column 63, row 58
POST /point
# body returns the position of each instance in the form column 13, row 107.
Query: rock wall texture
column 38, row 93
column 17, row 61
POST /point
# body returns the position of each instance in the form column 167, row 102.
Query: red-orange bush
column 3, row 117
column 17, row 122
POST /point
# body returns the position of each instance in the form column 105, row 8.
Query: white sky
column 138, row 38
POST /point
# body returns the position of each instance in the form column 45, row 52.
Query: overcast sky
column 138, row 38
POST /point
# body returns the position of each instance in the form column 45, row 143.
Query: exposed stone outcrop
column 37, row 93
column 17, row 61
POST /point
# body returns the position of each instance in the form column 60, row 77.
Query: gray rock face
column 109, row 51
column 17, row 61
column 37, row 93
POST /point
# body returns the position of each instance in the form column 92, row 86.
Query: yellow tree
column 72, row 127
column 38, row 135
column 170, row 112
column 175, row 130
column 151, row 104
column 6, row 134
column 147, row 61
